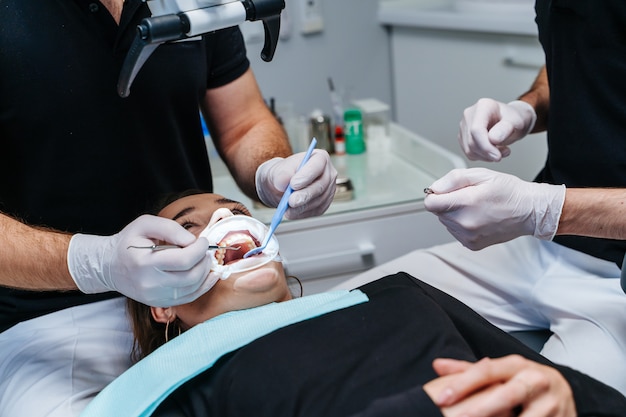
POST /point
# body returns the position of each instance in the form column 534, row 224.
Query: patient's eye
column 188, row 225
column 240, row 209
column 191, row 223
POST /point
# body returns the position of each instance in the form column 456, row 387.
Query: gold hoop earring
column 299, row 284
column 167, row 331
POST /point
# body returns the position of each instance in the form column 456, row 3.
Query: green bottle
column 353, row 131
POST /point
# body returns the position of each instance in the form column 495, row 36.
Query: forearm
column 594, row 212
column 244, row 131
column 33, row 258
column 539, row 97
column 262, row 141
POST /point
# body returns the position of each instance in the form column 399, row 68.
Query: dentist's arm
column 33, row 258
column 594, row 212
column 538, row 96
column 244, row 130
column 258, row 154
column 489, row 127
column 41, row 259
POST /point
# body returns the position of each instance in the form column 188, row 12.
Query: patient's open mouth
column 237, row 238
column 243, row 233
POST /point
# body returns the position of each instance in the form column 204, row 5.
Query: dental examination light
column 179, row 20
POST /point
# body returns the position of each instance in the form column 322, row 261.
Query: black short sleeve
column 228, row 57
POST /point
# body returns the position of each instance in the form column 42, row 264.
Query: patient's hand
column 500, row 387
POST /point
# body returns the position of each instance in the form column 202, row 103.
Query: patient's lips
column 236, row 238
column 239, row 231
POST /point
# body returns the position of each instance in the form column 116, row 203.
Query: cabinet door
column 438, row 73
column 322, row 257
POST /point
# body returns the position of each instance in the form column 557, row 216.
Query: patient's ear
column 163, row 314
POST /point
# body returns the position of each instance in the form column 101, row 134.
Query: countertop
column 458, row 15
column 392, row 173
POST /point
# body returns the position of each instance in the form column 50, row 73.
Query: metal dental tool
column 162, row 247
column 283, row 205
column 179, row 20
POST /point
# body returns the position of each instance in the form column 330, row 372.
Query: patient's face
column 241, row 290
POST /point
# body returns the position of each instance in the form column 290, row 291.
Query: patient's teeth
column 239, row 238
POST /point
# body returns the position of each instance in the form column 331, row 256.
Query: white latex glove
column 489, row 127
column 313, row 186
column 156, row 278
column 481, row 207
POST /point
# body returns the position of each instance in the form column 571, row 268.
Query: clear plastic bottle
column 340, row 142
column 353, row 131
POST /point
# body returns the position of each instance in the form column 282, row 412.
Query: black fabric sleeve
column 226, row 52
column 592, row 397
column 411, row 402
column 369, row 360
column 372, row 358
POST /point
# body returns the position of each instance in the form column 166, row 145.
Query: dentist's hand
column 481, row 207
column 155, row 278
column 489, row 127
column 313, row 186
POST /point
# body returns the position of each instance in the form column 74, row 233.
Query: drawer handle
column 527, row 63
column 335, row 263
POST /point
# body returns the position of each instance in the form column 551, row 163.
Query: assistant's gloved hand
column 155, row 278
column 313, row 186
column 489, row 127
column 481, row 207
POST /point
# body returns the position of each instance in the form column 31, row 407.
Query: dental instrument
column 428, row 190
column 162, row 247
column 282, row 206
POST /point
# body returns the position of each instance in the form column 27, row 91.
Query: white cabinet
column 385, row 219
column 444, row 61
column 325, row 254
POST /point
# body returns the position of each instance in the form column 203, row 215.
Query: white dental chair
column 535, row 339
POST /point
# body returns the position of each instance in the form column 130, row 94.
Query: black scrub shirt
column 585, row 47
column 75, row 156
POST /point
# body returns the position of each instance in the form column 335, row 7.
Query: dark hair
column 165, row 200
column 148, row 333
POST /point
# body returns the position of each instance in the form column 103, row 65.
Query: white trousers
column 530, row 284
column 54, row 365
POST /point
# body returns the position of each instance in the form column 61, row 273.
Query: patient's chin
column 259, row 280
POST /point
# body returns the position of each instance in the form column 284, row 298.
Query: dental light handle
column 184, row 24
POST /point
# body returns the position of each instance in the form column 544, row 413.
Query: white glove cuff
column 548, row 209
column 261, row 182
column 528, row 111
column 85, row 264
